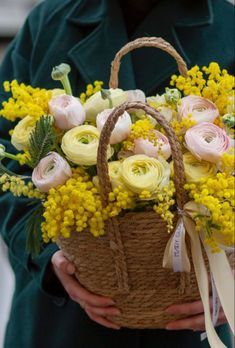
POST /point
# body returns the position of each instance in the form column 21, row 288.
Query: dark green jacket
column 87, row 34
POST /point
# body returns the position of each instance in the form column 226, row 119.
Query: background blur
column 12, row 16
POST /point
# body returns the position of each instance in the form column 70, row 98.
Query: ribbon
column 175, row 255
column 220, row 270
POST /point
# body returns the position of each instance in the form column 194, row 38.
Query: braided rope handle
column 156, row 42
column 102, row 162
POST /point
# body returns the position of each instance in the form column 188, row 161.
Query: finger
column 192, row 323
column 60, row 262
column 103, row 321
column 91, row 299
column 186, row 308
column 103, row 312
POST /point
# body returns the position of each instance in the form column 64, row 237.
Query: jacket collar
column 105, row 33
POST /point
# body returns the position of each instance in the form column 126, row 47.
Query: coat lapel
column 105, row 34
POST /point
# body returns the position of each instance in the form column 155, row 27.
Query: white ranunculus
column 51, row 172
column 206, row 141
column 200, row 109
column 122, row 128
column 67, row 110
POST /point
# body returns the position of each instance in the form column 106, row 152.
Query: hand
column 96, row 307
column 195, row 320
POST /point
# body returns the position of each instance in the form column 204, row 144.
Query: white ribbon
column 220, row 270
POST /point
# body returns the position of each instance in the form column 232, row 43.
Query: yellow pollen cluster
column 77, row 205
column 218, row 196
column 23, row 158
column 25, row 101
column 18, row 187
column 90, row 90
column 209, row 82
column 140, row 129
column 180, row 127
column 228, row 163
column 164, row 203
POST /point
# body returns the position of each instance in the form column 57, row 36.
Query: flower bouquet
column 132, row 187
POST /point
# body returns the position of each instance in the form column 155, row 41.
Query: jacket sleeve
column 15, row 211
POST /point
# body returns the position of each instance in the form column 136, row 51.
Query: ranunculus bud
column 200, row 109
column 207, row 141
column 158, row 148
column 51, row 172
column 68, row 112
column 172, row 95
column 122, row 128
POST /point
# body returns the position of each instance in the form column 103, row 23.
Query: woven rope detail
column 156, row 42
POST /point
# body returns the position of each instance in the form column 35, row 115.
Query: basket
column 126, row 263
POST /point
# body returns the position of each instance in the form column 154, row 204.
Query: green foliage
column 42, row 140
column 33, row 231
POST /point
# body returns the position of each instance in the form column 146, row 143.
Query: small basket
column 126, row 263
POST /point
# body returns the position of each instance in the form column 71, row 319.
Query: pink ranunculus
column 200, row 109
column 160, row 148
column 67, row 110
column 122, row 128
column 51, row 171
column 206, row 141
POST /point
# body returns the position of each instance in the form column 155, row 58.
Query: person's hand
column 98, row 308
column 195, row 317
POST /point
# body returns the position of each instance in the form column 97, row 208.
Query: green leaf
column 33, row 231
column 42, row 140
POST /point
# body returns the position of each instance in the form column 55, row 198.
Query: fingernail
column 117, row 312
column 70, row 269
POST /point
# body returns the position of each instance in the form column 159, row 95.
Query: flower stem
column 10, row 156
column 66, row 84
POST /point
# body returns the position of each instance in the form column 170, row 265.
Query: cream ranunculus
column 206, row 141
column 51, row 172
column 160, row 147
column 136, row 95
column 96, row 104
column 122, row 128
column 68, row 112
column 141, row 173
column 114, row 175
column 21, row 133
column 200, row 109
column 80, row 145
column 195, row 170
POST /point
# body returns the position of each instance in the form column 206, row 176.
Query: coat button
column 59, row 301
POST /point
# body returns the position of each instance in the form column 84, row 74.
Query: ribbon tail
column 203, row 283
column 175, row 255
column 224, row 281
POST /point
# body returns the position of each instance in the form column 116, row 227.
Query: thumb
column 60, row 262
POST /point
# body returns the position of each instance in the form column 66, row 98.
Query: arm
column 14, row 211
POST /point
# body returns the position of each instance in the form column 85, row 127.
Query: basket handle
column 102, row 162
column 157, row 42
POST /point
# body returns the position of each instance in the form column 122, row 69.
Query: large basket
column 126, row 263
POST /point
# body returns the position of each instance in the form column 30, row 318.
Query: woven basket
column 126, row 263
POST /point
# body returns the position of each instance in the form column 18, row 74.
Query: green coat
column 87, row 34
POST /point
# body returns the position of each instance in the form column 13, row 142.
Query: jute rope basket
column 126, row 263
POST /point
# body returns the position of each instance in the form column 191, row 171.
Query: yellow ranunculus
column 114, row 175
column 141, row 172
column 96, row 104
column 80, row 145
column 195, row 169
column 21, row 133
